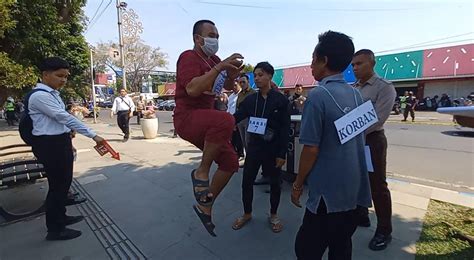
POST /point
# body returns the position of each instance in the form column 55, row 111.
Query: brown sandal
column 240, row 222
column 275, row 224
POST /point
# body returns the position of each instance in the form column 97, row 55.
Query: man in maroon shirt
column 200, row 76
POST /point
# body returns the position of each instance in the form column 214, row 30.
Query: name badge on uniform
column 356, row 122
column 257, row 125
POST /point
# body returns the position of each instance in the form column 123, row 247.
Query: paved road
column 441, row 156
column 436, row 155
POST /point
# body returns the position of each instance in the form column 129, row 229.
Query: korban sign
column 356, row 121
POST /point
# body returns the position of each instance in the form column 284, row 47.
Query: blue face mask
column 211, row 46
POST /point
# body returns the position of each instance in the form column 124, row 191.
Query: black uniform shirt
column 278, row 120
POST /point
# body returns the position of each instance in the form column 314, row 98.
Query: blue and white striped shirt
column 49, row 116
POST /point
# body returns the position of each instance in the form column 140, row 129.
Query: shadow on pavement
column 469, row 134
column 152, row 205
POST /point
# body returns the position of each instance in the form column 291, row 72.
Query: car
column 162, row 105
column 170, row 105
column 105, row 104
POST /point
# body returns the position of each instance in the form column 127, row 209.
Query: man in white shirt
column 231, row 108
column 123, row 107
column 52, row 144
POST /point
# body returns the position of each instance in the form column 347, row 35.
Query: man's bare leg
column 219, row 181
column 209, row 153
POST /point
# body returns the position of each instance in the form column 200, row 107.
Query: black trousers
column 55, row 153
column 377, row 142
column 237, row 143
column 255, row 158
column 322, row 230
column 123, row 119
column 139, row 116
column 11, row 117
column 409, row 110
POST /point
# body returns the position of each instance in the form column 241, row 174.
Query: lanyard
column 206, row 61
column 264, row 105
column 337, row 104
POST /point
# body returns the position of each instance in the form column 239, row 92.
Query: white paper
column 368, row 159
column 355, row 122
column 257, row 125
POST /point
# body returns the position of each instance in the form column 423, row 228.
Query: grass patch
column 437, row 240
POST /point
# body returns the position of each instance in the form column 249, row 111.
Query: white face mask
column 211, row 46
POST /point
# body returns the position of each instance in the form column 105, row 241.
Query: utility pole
column 93, row 85
column 121, row 5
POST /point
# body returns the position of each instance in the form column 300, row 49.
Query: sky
column 285, row 33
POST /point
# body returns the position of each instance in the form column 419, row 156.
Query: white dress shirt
column 232, row 104
column 123, row 104
column 49, row 115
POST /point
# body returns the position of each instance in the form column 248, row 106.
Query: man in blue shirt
column 336, row 173
column 52, row 145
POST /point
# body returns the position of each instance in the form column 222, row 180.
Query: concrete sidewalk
column 140, row 207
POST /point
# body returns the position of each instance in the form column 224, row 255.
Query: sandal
column 205, row 220
column 240, row 222
column 199, row 195
column 275, row 224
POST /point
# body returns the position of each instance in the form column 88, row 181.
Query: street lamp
column 120, row 7
column 91, row 48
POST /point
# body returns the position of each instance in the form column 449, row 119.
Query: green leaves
column 31, row 30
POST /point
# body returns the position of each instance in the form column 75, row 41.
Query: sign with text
column 356, row 122
column 257, row 125
column 105, row 148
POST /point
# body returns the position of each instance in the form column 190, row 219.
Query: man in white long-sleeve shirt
column 52, row 144
column 123, row 106
column 232, row 108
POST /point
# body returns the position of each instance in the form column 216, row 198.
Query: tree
column 140, row 60
column 248, row 68
column 42, row 28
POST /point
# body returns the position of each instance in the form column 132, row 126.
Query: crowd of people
column 340, row 186
column 253, row 127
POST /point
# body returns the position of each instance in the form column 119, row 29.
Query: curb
column 465, row 199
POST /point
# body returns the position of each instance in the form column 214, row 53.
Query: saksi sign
column 356, row 122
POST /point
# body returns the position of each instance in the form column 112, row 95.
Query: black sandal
column 205, row 220
column 198, row 195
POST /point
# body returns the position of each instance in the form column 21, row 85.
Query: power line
column 315, row 9
column 431, row 42
column 96, row 11
column 100, row 15
column 423, row 45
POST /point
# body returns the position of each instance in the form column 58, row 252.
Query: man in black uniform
column 269, row 125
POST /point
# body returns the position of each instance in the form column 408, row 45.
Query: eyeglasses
column 242, row 82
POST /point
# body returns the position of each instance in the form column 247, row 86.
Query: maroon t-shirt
column 189, row 66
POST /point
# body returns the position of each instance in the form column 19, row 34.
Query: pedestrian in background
column 123, row 107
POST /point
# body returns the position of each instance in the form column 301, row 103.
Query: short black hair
column 365, row 52
column 298, row 86
column 265, row 66
column 53, row 63
column 197, row 28
column 245, row 76
column 337, row 47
